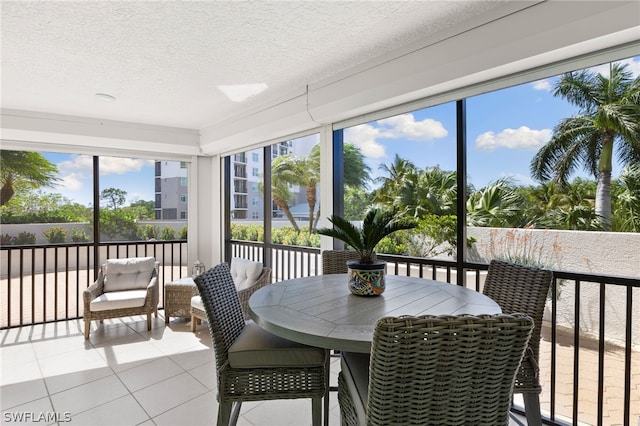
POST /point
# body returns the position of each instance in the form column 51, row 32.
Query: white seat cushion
column 196, row 302
column 118, row 300
column 257, row 348
column 245, row 272
column 128, row 274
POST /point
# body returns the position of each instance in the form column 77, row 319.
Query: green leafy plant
column 183, row 232
column 377, row 224
column 168, row 233
column 55, row 234
column 7, row 240
column 79, row 235
column 24, row 238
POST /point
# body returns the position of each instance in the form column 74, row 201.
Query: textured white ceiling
column 171, row 62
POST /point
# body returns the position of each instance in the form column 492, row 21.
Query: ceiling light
column 242, row 92
column 105, row 97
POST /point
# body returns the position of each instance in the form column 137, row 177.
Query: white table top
column 320, row 311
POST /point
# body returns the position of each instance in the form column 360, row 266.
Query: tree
column 496, row 205
column 114, row 197
column 609, row 114
column 305, row 172
column 27, row 168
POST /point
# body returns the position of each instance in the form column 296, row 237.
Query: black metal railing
column 569, row 394
column 589, row 371
column 43, row 283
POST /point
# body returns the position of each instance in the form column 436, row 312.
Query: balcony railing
column 590, row 362
column 589, row 375
column 43, row 283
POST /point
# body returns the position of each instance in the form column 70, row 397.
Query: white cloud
column 405, row 125
column 365, row 136
column 120, row 166
column 542, row 85
column 522, row 137
column 71, row 182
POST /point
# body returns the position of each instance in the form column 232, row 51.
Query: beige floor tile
column 202, row 410
column 194, row 357
column 206, row 374
column 90, row 395
column 63, row 382
column 150, row 373
column 122, row 356
column 71, row 362
column 29, row 413
column 120, row 412
column 22, row 393
column 289, row 412
column 168, row 394
column 11, row 374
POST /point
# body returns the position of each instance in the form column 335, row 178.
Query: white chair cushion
column 128, row 274
column 245, row 272
column 257, row 348
column 118, row 300
column 196, row 302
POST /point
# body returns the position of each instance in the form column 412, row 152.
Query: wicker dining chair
column 518, row 288
column 435, row 370
column 335, row 261
column 252, row 364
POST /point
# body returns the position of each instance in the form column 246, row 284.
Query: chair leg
column 327, row 367
column 235, row 413
column 224, row 413
column 156, row 311
column 316, row 410
column 532, row 409
column 87, row 328
column 193, row 324
column 149, row 321
column 166, row 317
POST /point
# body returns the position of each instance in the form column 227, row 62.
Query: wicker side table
column 177, row 298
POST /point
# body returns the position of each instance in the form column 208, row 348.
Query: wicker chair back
column 442, row 370
column 222, row 305
column 335, row 261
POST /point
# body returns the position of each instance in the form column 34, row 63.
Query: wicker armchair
column 518, row 288
column 335, row 261
column 125, row 287
column 197, row 308
column 252, row 364
column 435, row 370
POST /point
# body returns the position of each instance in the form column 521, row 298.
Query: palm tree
column 24, row 168
column 280, row 191
column 398, row 172
column 609, row 114
column 627, row 214
column 305, row 172
column 497, row 204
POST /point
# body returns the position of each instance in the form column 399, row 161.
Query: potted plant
column 366, row 275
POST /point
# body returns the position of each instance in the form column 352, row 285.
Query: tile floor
column 126, row 375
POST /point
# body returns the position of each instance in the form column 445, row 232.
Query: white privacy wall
column 608, row 253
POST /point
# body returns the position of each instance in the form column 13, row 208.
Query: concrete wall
column 39, row 228
column 607, row 253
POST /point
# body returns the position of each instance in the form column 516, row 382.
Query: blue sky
column 505, row 129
